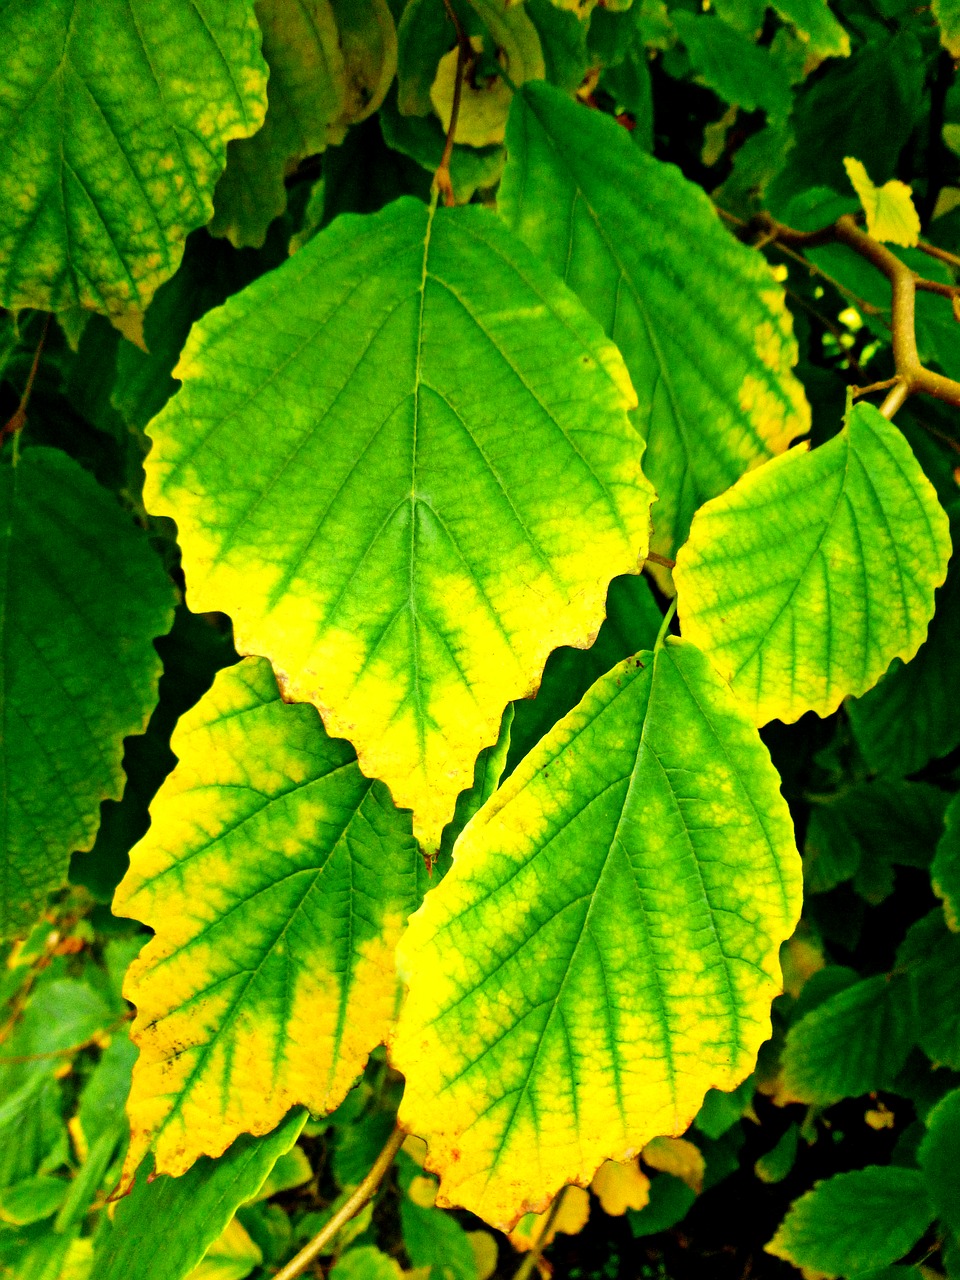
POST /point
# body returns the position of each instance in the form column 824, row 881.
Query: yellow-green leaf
column 701, row 323
column 382, row 394
column 232, row 1256
column 815, row 24
column 604, row 948
column 83, row 596
column 306, row 93
column 891, row 214
column 806, row 579
column 115, row 117
column 278, row 879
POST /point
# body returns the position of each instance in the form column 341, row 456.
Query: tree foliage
column 477, row 492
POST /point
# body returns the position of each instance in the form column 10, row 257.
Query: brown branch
column 934, row 251
column 442, row 180
column 18, row 419
column 349, row 1209
column 911, row 375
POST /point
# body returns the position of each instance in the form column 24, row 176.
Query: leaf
column 83, row 597
column 731, row 64
column 853, row 1043
column 797, row 624
column 277, row 878
column 471, row 168
column 108, row 161
column 815, row 24
column 650, row 812
column 776, row 1164
column 679, row 1157
column 890, row 211
column 387, row 374
column 939, row 1158
column 563, row 39
column 911, row 716
column 305, row 94
column 368, row 41
column 366, row 1262
column 201, row 1203
column 930, row 953
column 509, row 39
column 670, row 1202
column 232, row 1256
column 620, row 1187
column 32, row 1200
column 570, row 1218
column 435, row 1240
column 947, row 14
column 711, row 364
column 854, row 1221
column 945, row 870
column 864, row 829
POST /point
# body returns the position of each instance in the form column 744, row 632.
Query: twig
column 17, row 421
column 351, row 1207
column 442, row 180
column 664, row 561
column 934, row 251
column 543, row 1238
column 911, row 375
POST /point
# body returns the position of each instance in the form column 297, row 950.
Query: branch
column 18, row 419
column 349, row 1209
column 911, row 375
column 441, row 179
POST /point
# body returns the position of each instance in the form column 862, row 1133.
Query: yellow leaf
column 485, row 1252
column 484, row 101
column 423, row 1191
column 890, row 211
column 677, row 1156
column 571, row 1219
column 620, row 1187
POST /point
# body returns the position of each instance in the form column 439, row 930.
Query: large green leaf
column 731, row 64
column 855, row 1221
column 604, row 948
column 278, row 879
column 187, row 1213
column 415, row 390
column 83, row 596
column 306, row 93
column 700, row 321
column 805, row 580
column 114, row 118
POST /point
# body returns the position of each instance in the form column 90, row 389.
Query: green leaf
column 387, row 374
column 604, row 948
column 84, row 595
column 816, row 25
column 797, row 623
column 855, row 1221
column 930, row 953
column 864, row 829
column 853, row 1043
column 366, row 1263
column 940, row 1160
column 305, row 94
column 563, row 39
column 435, row 1240
column 278, row 879
column 108, row 161
column 368, row 41
column 200, row 1203
column 471, row 168
column 776, row 1163
column 632, row 623
column 729, row 62
column 945, row 870
column 646, row 253
column 670, row 1201
column 32, row 1200
column 911, row 716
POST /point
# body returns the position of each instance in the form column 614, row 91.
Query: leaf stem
column 665, row 625
column 542, row 1240
column 441, row 179
column 349, row 1209
column 18, row 419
